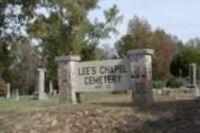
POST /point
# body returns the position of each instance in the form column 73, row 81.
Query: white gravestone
column 41, row 84
column 54, row 92
column 50, row 88
column 193, row 79
column 17, row 95
column 8, row 96
column 193, row 74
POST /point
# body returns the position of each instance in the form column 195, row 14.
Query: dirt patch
column 165, row 116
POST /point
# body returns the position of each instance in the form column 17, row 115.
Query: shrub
column 158, row 84
column 176, row 82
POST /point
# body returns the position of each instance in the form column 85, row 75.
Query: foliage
column 159, row 84
column 187, row 54
column 68, row 31
column 5, row 59
column 140, row 35
column 176, row 82
column 22, row 71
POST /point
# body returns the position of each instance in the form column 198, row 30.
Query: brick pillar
column 141, row 76
column 65, row 83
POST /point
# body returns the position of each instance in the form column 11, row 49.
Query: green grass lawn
column 28, row 103
column 25, row 103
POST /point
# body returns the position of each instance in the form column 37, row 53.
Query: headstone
column 66, row 64
column 41, row 85
column 15, row 94
column 141, row 76
column 8, row 96
column 192, row 73
column 193, row 79
column 54, row 92
column 50, row 88
column 180, row 73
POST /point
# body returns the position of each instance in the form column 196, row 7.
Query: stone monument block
column 41, row 95
column 141, row 76
column 66, row 64
column 8, row 94
column 133, row 72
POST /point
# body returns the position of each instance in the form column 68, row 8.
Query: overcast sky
column 178, row 17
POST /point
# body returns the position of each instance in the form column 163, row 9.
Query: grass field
column 28, row 102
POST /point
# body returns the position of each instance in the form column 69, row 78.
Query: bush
column 158, row 84
column 176, row 82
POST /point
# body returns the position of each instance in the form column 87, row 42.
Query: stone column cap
column 193, row 64
column 42, row 69
column 68, row 58
column 141, row 51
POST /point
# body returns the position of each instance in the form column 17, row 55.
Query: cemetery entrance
column 134, row 72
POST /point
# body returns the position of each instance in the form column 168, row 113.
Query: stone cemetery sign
column 134, row 73
column 101, row 76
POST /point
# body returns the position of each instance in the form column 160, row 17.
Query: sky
column 177, row 17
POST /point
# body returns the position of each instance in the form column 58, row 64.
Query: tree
column 164, row 50
column 68, row 31
column 140, row 35
column 193, row 43
column 186, row 54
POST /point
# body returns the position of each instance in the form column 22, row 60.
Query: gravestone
column 8, row 96
column 131, row 73
column 192, row 75
column 15, row 94
column 180, row 73
column 41, row 95
column 50, row 88
column 193, row 79
column 54, row 92
column 141, row 76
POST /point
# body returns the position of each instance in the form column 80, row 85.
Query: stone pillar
column 41, row 84
column 8, row 96
column 17, row 95
column 141, row 76
column 193, row 77
column 180, row 72
column 66, row 65
column 50, row 88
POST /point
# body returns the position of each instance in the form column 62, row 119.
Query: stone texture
column 51, row 88
column 138, row 76
column 8, row 94
column 141, row 76
column 193, row 74
column 65, row 66
column 41, row 95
